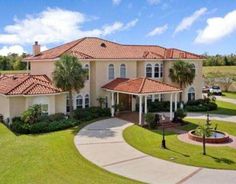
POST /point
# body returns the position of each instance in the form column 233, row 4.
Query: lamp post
column 163, row 142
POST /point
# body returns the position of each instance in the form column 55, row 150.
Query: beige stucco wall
column 4, row 106
column 60, row 103
column 17, row 106
column 99, row 76
column 42, row 67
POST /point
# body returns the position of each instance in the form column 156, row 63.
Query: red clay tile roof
column 25, row 84
column 139, row 86
column 96, row 48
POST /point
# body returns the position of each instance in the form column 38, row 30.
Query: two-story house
column 124, row 74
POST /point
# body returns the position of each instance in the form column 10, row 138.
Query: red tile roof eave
column 38, row 94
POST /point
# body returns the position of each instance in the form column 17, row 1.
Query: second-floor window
column 122, row 71
column 149, row 70
column 111, row 72
column 156, row 71
column 161, row 70
column 86, row 67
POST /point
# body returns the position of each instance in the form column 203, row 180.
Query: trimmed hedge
column 91, row 113
column 41, row 127
column 200, row 105
column 58, row 121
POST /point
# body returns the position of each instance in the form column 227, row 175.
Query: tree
column 204, row 131
column 69, row 75
column 182, row 73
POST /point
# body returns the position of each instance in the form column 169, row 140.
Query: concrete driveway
column 102, row 143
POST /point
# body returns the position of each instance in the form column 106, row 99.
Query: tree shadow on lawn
column 222, row 110
column 222, row 160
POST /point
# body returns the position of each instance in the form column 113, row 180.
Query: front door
column 125, row 101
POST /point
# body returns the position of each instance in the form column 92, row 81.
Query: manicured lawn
column 47, row 158
column 225, row 108
column 230, row 95
column 12, row 71
column 149, row 142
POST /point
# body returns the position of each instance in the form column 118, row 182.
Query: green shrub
column 56, row 117
column 150, row 118
column 179, row 115
column 32, row 114
column 201, row 105
column 90, row 113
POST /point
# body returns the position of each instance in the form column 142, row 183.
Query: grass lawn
column 225, row 108
column 47, row 158
column 217, row 69
column 12, row 71
column 230, row 95
column 149, row 142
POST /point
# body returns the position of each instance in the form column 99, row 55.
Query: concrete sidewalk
column 225, row 99
column 219, row 117
column 102, row 143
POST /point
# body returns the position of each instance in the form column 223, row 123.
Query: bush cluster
column 91, row 113
column 54, row 122
column 200, row 105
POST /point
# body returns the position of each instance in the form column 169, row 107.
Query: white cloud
column 217, row 28
column 55, row 26
column 188, row 21
column 44, row 47
column 153, row 2
column 158, row 30
column 116, row 2
column 16, row 49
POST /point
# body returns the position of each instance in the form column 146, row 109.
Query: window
column 44, row 109
column 161, row 70
column 156, row 71
column 67, row 104
column 86, row 100
column 86, row 67
column 191, row 94
column 79, row 102
column 149, row 70
column 149, row 98
column 122, row 71
column 111, row 72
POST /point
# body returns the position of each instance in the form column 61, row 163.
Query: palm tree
column 182, row 73
column 204, row 131
column 69, row 75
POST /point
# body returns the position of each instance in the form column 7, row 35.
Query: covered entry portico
column 142, row 88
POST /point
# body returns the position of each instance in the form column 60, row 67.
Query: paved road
column 102, row 143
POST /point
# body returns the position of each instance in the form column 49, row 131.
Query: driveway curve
column 102, row 143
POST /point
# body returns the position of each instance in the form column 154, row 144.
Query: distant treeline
column 12, row 62
column 220, row 60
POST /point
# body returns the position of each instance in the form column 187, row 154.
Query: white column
column 171, row 116
column 112, row 104
column 175, row 101
column 140, row 110
column 145, row 105
column 117, row 100
column 153, row 98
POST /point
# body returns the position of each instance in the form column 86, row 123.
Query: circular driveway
column 102, row 143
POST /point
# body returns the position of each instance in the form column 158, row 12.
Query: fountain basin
column 216, row 137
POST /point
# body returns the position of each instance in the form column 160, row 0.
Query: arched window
column 111, row 72
column 122, row 71
column 86, row 67
column 79, row 102
column 86, row 98
column 191, row 94
column 161, row 70
column 149, row 70
column 156, row 71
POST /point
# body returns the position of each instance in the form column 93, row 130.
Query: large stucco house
column 124, row 74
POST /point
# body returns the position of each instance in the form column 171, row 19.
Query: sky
column 199, row 26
